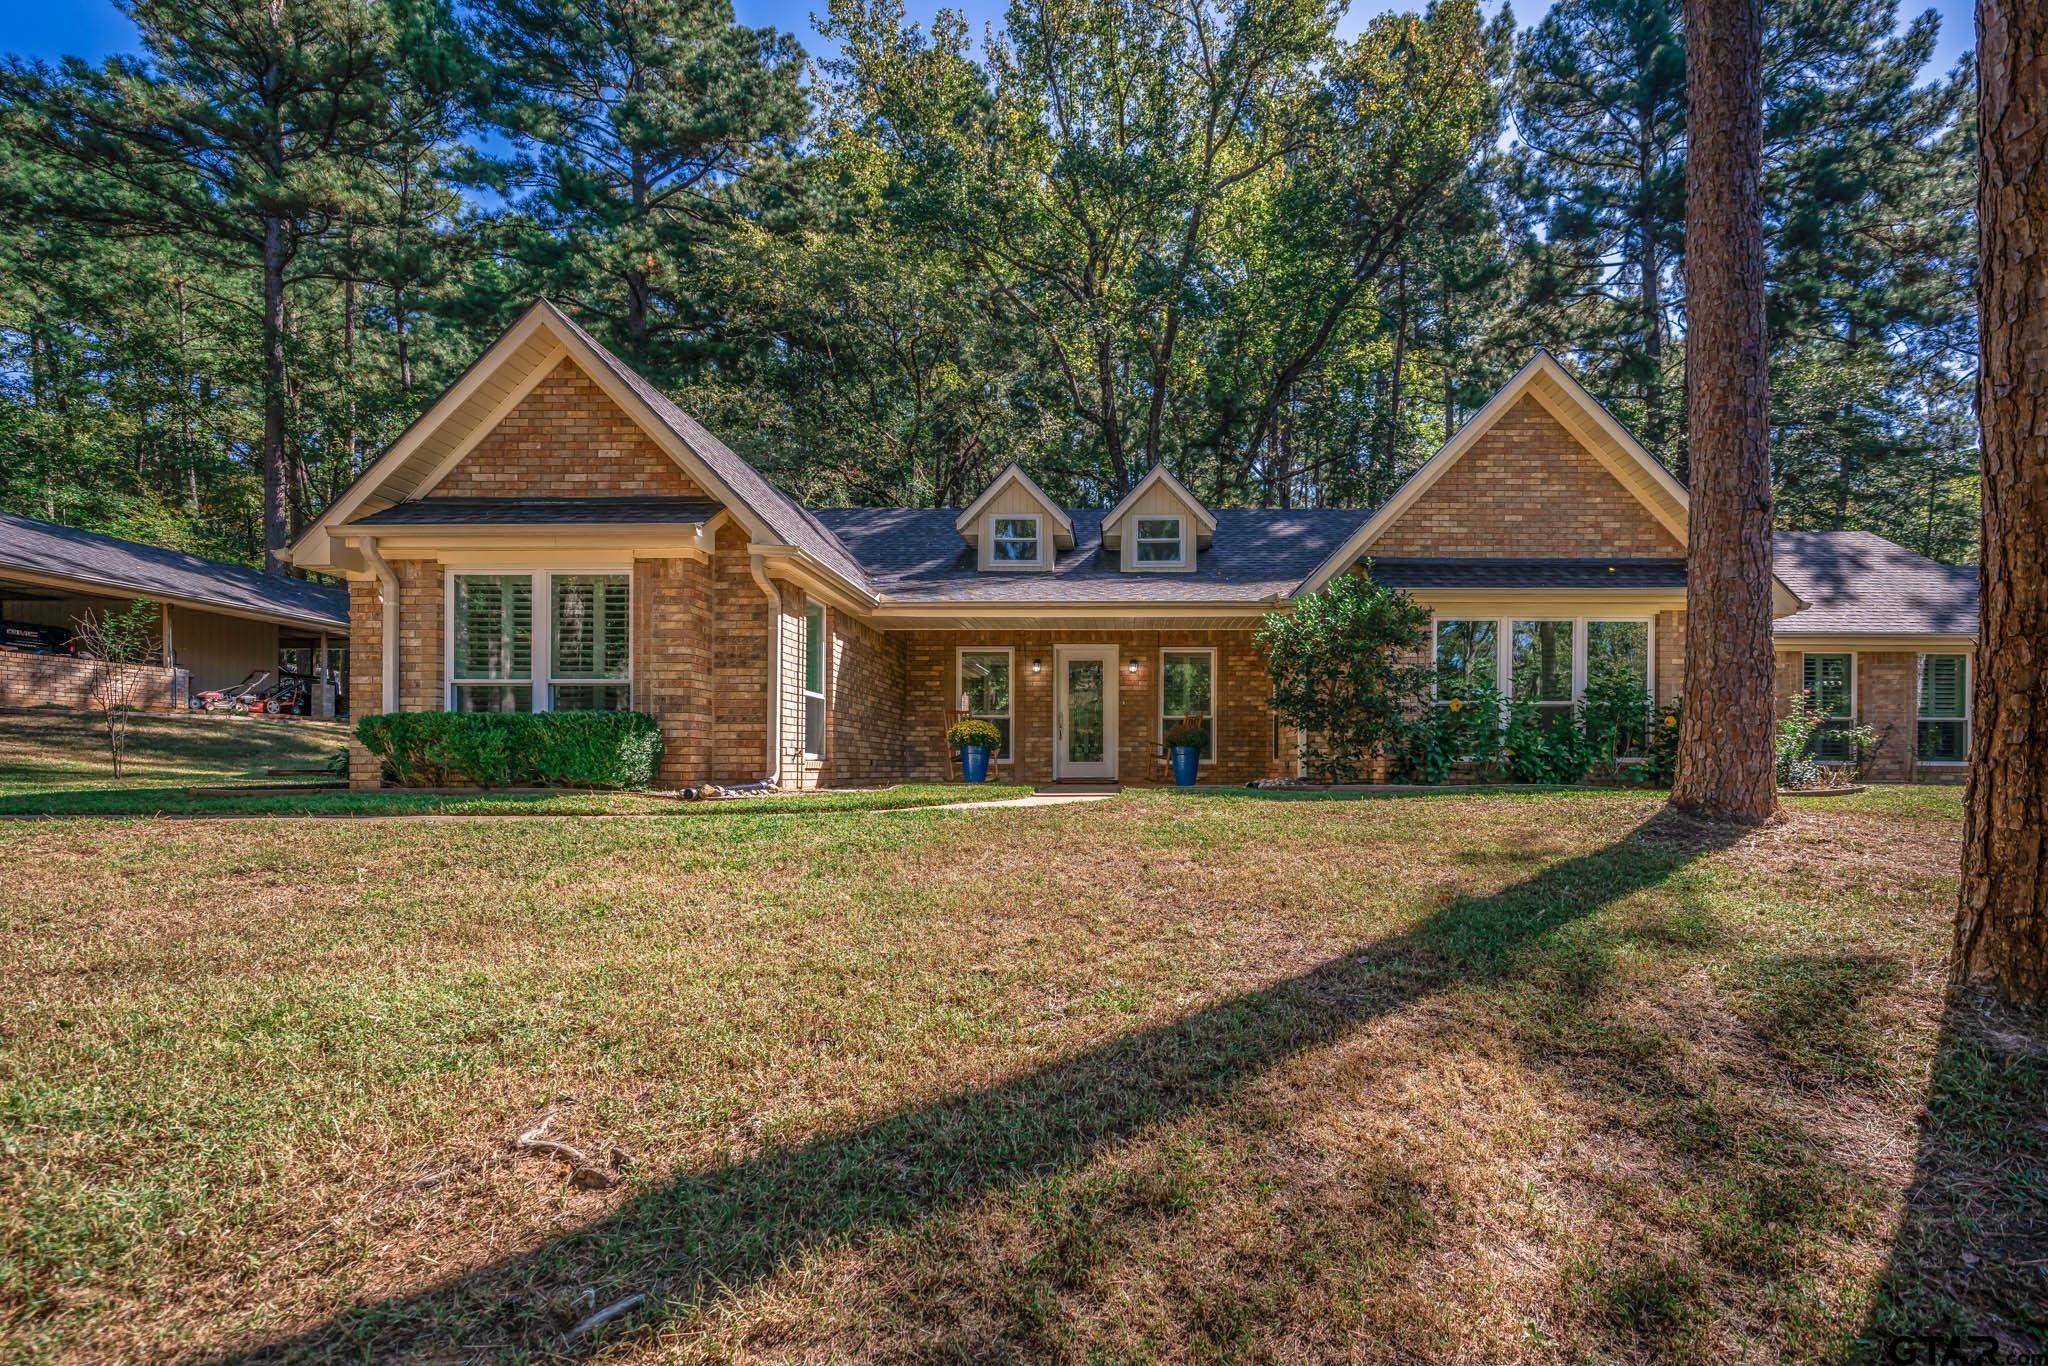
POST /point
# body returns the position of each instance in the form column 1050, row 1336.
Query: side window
column 1830, row 680
column 814, row 681
column 1014, row 540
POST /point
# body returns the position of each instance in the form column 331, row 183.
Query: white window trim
column 1139, row 565
column 814, row 746
column 1215, row 700
column 542, row 658
column 1037, row 521
column 1920, row 706
column 1504, row 649
column 1009, row 654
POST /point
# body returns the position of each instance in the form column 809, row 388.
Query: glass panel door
column 1084, row 745
column 1084, row 711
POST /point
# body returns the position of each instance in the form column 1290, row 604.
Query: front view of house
column 554, row 533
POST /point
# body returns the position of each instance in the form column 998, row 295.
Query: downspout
column 774, row 778
column 387, row 589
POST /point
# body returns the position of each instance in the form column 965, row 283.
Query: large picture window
column 1187, row 691
column 1540, row 667
column 501, row 657
column 492, row 664
column 814, row 681
column 1618, row 657
column 985, row 688
column 1831, row 682
column 1944, row 731
column 588, row 660
column 1467, row 658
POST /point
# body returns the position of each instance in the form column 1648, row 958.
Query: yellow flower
column 1457, row 704
column 1670, row 721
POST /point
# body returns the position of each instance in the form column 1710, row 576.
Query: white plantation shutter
column 1941, row 685
column 493, row 626
column 590, row 626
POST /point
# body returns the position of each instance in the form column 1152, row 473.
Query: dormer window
column 1014, row 541
column 1159, row 540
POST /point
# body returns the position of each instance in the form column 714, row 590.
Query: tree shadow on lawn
column 1969, row 1267
column 710, row 1233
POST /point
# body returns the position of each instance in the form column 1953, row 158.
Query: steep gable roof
column 1013, row 473
column 1154, row 477
column 1564, row 398
column 510, row 368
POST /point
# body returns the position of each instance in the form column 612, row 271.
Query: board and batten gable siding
column 1159, row 501
column 566, row 439
column 1527, row 488
column 1014, row 500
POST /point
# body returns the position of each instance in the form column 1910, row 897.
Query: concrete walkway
column 1045, row 796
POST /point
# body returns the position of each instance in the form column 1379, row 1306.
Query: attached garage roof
column 107, row 566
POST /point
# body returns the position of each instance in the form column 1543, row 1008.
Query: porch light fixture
column 1038, row 666
column 1132, row 667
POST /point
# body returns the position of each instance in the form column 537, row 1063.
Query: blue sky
column 95, row 28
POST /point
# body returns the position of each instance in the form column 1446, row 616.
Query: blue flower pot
column 974, row 763
column 1187, row 763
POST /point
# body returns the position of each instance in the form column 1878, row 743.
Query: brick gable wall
column 566, row 439
column 1527, row 488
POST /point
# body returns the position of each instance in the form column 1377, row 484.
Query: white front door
column 1084, row 713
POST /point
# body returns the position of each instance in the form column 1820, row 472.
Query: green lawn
column 55, row 764
column 1497, row 1077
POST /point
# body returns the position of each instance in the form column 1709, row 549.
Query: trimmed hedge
column 516, row 749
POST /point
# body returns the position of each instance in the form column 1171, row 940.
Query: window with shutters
column 580, row 661
column 492, row 646
column 590, row 658
column 1944, row 732
column 1830, row 680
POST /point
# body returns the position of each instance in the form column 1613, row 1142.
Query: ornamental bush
column 516, row 749
column 1348, row 672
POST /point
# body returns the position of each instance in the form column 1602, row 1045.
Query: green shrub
column 1662, row 765
column 974, row 734
column 1347, row 672
column 516, row 749
column 1464, row 729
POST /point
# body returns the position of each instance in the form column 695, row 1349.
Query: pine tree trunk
column 1724, row 750
column 277, row 494
column 2002, row 914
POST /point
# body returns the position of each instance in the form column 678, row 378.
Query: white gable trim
column 965, row 523
column 1624, row 455
column 1159, row 474
column 497, row 415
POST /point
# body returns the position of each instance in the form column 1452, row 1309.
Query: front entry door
column 1084, row 713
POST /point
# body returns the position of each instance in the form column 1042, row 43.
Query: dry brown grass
column 1481, row 1078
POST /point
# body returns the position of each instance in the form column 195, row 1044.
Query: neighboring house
column 554, row 532
column 216, row 622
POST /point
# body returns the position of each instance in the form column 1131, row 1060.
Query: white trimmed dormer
column 1014, row 527
column 1159, row 527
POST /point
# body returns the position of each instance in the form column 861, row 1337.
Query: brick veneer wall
column 865, row 686
column 366, row 673
column 1887, row 698
column 674, row 668
column 566, row 439
column 1670, row 665
column 740, row 656
column 28, row 680
column 1527, row 488
column 1244, row 724
column 421, row 616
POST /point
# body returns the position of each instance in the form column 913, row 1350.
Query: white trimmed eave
column 968, row 523
column 1112, row 533
column 1901, row 642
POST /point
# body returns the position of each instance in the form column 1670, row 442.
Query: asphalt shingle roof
column 1862, row 584
column 106, row 563
column 1562, row 573
column 541, row 512
column 791, row 521
column 916, row 555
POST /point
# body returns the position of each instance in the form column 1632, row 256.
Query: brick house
column 554, row 532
